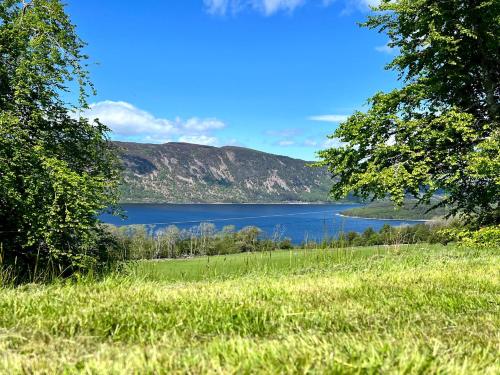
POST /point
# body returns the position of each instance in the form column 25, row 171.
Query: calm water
column 297, row 221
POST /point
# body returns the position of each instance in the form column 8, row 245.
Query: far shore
column 381, row 218
column 246, row 203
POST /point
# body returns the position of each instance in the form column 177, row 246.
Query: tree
column 439, row 133
column 248, row 238
column 57, row 170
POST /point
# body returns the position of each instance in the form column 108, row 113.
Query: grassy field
column 273, row 263
column 418, row 309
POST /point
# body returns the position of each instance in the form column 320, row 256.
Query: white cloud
column 285, row 143
column 323, row 144
column 150, row 139
column 216, row 6
column 369, row 3
column 201, row 125
column 128, row 122
column 362, row 5
column 385, row 49
column 329, row 118
column 310, row 143
column 200, row 140
column 332, row 143
column 270, row 7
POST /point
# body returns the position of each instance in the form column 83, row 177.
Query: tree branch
column 26, row 5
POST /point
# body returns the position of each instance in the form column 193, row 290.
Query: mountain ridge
column 179, row 172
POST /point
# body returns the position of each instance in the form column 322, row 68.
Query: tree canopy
column 439, row 132
column 57, row 169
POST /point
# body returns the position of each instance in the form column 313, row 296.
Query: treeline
column 142, row 242
column 389, row 235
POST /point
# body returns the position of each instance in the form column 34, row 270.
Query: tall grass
column 413, row 309
column 271, row 263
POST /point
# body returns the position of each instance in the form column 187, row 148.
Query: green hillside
column 386, row 210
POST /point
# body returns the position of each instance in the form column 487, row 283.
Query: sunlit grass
column 258, row 263
column 416, row 309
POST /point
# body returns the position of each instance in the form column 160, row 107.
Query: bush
column 57, row 171
column 482, row 238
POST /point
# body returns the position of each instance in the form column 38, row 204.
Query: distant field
column 386, row 210
column 274, row 263
column 417, row 309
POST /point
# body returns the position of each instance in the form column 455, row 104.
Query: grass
column 273, row 263
column 417, row 309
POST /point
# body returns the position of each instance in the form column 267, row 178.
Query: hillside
column 188, row 173
column 386, row 210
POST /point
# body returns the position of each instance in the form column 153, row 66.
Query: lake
column 298, row 222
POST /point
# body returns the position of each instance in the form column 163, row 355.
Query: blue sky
column 274, row 75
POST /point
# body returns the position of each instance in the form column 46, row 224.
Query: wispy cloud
column 329, row 118
column 322, row 143
column 216, row 6
column 270, row 7
column 310, row 143
column 288, row 132
column 200, row 140
column 385, row 49
column 369, row 3
column 362, row 5
column 201, row 125
column 332, row 143
column 285, row 143
column 128, row 122
column 266, row 7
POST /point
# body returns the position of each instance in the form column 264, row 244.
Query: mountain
column 188, row 173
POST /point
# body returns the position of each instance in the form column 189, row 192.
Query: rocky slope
column 187, row 173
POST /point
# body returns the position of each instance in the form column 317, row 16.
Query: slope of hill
column 188, row 173
column 386, row 210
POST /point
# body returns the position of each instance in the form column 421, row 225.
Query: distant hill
column 385, row 210
column 188, row 173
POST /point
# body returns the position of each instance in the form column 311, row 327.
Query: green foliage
column 485, row 237
column 57, row 170
column 138, row 242
column 141, row 242
column 440, row 132
column 433, row 232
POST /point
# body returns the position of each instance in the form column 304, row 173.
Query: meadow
column 389, row 309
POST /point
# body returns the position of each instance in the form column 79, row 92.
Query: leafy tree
column 57, row 170
column 248, row 238
column 439, row 132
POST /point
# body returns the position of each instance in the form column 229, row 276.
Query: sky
column 273, row 75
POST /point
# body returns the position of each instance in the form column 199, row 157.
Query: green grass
column 274, row 263
column 417, row 309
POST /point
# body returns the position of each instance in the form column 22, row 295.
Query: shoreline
column 246, row 203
